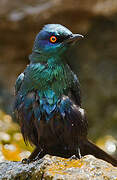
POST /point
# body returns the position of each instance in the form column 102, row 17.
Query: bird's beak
column 73, row 38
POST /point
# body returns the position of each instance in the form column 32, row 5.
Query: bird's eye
column 53, row 39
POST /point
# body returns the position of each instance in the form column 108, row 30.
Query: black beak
column 73, row 38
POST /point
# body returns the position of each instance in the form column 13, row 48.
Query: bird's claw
column 74, row 157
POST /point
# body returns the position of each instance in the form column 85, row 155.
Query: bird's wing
column 75, row 91
column 19, row 82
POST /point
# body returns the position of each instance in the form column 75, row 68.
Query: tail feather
column 90, row 148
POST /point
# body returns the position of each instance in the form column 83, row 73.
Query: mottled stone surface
column 51, row 167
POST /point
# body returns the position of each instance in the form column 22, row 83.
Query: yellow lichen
column 61, row 164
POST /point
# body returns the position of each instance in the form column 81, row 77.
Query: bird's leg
column 79, row 153
column 36, row 154
column 40, row 155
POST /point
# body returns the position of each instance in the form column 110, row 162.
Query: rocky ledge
column 56, row 168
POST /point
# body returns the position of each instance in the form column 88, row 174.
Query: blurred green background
column 96, row 64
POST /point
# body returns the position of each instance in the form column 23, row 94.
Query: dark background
column 96, row 64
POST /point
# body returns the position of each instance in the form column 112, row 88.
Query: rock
column 56, row 168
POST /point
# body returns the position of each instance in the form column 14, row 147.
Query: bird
column 48, row 100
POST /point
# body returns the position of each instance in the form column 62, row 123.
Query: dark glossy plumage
column 48, row 102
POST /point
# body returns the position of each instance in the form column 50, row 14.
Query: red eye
column 53, row 39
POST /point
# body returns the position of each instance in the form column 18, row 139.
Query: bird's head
column 54, row 39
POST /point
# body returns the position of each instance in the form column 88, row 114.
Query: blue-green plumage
column 48, row 102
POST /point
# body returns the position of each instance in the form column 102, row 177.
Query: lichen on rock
column 56, row 168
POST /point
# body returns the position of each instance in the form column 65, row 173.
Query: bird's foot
column 74, row 157
column 35, row 155
column 26, row 161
